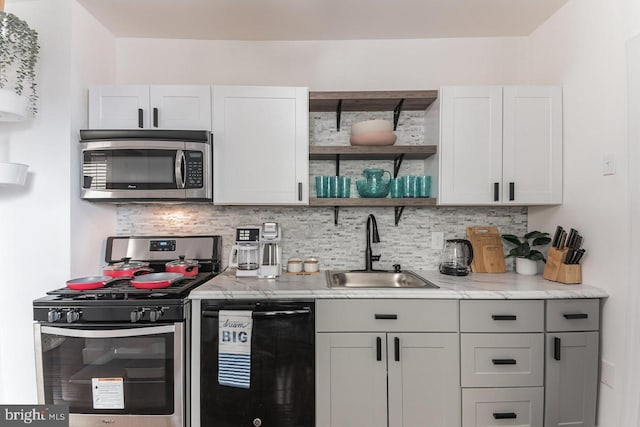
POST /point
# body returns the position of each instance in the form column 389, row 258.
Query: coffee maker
column 270, row 251
column 245, row 254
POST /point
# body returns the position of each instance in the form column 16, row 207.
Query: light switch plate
column 437, row 240
column 608, row 164
column 608, row 373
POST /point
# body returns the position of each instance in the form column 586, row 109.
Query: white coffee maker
column 245, row 254
column 270, row 251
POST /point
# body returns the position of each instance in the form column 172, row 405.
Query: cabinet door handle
column 512, row 191
column 155, row 117
column 299, row 191
column 576, row 316
column 504, row 317
column 496, row 191
column 504, row 415
column 396, row 347
column 557, row 344
column 385, row 316
column 378, row 349
column 503, row 361
column 140, row 118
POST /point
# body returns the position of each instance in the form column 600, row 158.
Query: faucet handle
column 397, row 268
column 375, row 257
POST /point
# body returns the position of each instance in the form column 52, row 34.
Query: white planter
column 13, row 107
column 526, row 266
column 13, row 173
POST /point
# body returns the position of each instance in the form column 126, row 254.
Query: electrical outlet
column 608, row 164
column 437, row 240
column 608, row 373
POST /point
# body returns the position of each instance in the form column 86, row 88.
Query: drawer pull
column 504, row 317
column 378, row 349
column 576, row 316
column 385, row 316
column 505, row 415
column 557, row 344
column 503, row 361
column 396, row 346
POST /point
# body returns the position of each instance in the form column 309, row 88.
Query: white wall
column 582, row 47
column 320, row 65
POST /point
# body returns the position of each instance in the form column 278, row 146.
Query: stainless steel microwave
column 146, row 165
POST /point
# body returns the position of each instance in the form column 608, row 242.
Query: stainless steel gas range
column 119, row 355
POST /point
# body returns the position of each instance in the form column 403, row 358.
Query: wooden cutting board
column 488, row 255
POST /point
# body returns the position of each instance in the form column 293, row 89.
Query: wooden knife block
column 556, row 271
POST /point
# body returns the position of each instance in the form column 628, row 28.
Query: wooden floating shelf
column 324, row 152
column 414, row 100
column 372, row 202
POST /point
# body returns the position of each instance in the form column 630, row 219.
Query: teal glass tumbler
column 410, row 186
column 423, row 186
column 321, row 188
column 332, row 187
column 396, row 189
column 344, row 187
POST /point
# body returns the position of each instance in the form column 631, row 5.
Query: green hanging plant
column 19, row 51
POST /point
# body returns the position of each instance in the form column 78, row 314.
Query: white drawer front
column 502, row 360
column 372, row 315
column 573, row 315
column 502, row 316
column 520, row 407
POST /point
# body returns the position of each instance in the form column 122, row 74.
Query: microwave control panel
column 195, row 169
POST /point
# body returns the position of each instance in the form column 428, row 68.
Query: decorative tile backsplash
column 311, row 231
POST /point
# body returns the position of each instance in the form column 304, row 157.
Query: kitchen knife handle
column 378, row 349
column 496, row 191
column 504, row 317
column 504, row 416
column 155, row 117
column 503, row 361
column 396, row 347
column 512, row 191
column 576, row 316
column 140, row 118
column 557, row 344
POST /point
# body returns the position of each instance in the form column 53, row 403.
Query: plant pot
column 13, row 173
column 526, row 266
column 13, row 107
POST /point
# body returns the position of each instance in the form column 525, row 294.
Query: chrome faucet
column 368, row 257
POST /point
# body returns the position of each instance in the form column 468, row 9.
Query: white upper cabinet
column 260, row 145
column 500, row 145
column 150, row 107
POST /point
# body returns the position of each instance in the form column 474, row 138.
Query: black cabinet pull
column 299, row 191
column 396, row 345
column 496, row 191
column 576, row 316
column 140, row 118
column 503, row 361
column 512, row 191
column 385, row 316
column 378, row 348
column 556, row 348
column 504, row 317
column 504, row 415
column 155, row 117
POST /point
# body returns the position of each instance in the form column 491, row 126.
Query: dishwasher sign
column 108, row 393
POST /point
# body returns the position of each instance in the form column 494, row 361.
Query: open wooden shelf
column 372, row 202
column 414, row 100
column 392, row 152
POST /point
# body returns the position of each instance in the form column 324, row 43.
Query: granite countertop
column 474, row 286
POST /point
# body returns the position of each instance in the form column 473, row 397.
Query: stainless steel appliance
column 270, row 252
column 282, row 387
column 245, row 254
column 152, row 165
column 456, row 258
column 119, row 355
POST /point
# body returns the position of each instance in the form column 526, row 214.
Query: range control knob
column 155, row 315
column 257, row 422
column 73, row 315
column 54, row 315
column 136, row 315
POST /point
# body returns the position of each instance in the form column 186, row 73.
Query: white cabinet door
column 351, row 380
column 424, row 381
column 181, row 107
column 119, row 107
column 571, row 379
column 532, row 145
column 261, row 145
column 470, row 145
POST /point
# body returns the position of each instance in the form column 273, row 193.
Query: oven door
column 121, row 376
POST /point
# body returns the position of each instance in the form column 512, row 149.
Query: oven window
column 141, row 368
column 129, row 169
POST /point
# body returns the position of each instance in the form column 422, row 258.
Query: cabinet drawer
column 502, row 316
column 486, row 407
column 502, row 360
column 573, row 315
column 372, row 315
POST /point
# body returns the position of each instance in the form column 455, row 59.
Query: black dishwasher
column 282, row 390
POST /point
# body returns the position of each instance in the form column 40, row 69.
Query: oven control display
column 162, row 245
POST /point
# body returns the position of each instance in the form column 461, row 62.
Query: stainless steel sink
column 376, row 279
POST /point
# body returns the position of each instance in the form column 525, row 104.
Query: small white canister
column 294, row 265
column 311, row 265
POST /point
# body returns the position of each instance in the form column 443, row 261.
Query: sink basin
column 376, row 279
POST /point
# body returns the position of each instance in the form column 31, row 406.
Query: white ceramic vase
column 13, row 107
column 526, row 266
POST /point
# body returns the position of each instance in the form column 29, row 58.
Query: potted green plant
column 19, row 51
column 526, row 257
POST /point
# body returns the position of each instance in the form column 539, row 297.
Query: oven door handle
column 111, row 333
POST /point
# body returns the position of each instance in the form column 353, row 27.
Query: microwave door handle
column 180, row 169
